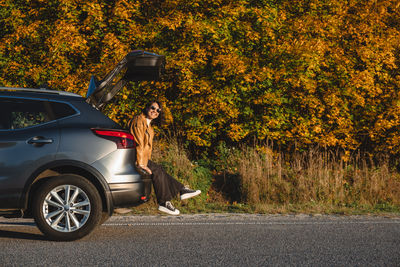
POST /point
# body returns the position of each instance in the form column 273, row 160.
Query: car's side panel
column 70, row 166
column 81, row 144
column 19, row 159
column 119, row 166
column 126, row 184
column 91, row 116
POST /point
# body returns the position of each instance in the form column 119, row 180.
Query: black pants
column 165, row 186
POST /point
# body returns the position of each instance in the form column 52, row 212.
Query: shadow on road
column 18, row 223
column 21, row 235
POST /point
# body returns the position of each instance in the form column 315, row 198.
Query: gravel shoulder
column 228, row 218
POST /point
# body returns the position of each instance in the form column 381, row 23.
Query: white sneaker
column 168, row 208
column 188, row 193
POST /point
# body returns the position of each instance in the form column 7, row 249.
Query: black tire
column 79, row 216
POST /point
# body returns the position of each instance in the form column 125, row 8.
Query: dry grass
column 174, row 158
column 315, row 177
column 262, row 181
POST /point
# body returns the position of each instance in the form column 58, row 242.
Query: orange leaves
column 230, row 64
column 173, row 21
column 113, row 49
column 124, row 10
column 304, row 72
column 66, row 38
column 365, row 80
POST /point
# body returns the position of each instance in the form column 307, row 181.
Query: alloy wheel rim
column 66, row 208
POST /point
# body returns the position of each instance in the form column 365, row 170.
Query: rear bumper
column 124, row 194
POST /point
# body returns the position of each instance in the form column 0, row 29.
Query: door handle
column 39, row 141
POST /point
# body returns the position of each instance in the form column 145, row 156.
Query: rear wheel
column 67, row 207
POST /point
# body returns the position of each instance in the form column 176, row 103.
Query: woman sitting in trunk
column 165, row 186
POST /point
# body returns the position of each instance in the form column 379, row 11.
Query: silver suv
column 62, row 161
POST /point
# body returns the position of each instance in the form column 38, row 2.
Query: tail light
column 121, row 138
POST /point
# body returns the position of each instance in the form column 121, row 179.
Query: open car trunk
column 137, row 65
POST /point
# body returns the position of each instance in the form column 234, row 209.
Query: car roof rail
column 40, row 90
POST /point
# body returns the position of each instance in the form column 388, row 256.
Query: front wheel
column 67, row 207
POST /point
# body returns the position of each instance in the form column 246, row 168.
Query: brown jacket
column 144, row 138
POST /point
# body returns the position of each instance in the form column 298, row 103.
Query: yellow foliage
column 297, row 72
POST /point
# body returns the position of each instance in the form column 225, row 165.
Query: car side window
column 22, row 119
column 22, row 113
column 19, row 113
column 61, row 110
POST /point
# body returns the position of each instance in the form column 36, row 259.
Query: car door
column 29, row 138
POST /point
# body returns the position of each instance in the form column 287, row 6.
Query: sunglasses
column 156, row 109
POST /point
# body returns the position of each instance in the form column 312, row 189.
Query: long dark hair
column 160, row 119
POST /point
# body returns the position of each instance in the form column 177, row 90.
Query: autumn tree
column 300, row 73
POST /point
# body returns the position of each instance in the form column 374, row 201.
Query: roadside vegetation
column 275, row 106
column 256, row 179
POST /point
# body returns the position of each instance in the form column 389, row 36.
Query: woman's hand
column 146, row 169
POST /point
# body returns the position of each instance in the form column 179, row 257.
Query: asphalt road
column 212, row 240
